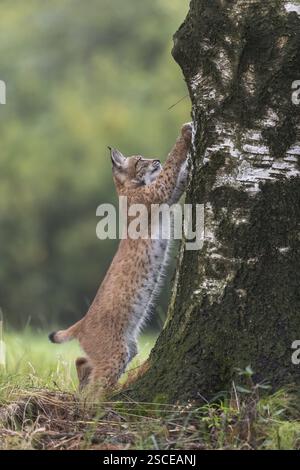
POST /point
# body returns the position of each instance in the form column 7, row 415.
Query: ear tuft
column 117, row 158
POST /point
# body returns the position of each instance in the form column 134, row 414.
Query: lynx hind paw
column 84, row 370
column 187, row 131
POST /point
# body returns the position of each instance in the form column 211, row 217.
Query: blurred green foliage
column 80, row 75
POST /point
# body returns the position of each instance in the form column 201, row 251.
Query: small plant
column 2, row 344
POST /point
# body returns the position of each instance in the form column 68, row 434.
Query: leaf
column 242, row 389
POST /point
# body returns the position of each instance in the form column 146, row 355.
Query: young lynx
column 108, row 332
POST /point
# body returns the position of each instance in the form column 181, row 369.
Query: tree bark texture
column 236, row 302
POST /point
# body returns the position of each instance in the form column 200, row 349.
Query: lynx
column 108, row 332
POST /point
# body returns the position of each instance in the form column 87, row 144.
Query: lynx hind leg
column 84, row 370
column 108, row 369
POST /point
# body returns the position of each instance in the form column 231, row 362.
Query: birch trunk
column 236, row 302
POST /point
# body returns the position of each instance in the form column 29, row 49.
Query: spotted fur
column 108, row 332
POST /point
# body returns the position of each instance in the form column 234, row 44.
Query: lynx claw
column 186, row 131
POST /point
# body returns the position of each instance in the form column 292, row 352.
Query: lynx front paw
column 186, row 132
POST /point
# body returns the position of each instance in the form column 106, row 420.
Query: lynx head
column 134, row 171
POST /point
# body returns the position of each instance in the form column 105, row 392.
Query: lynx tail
column 63, row 336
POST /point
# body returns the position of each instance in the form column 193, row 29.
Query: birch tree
column 236, row 302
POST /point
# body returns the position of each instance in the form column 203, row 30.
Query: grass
column 31, row 357
column 40, row 409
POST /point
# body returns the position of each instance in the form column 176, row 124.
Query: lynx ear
column 117, row 158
